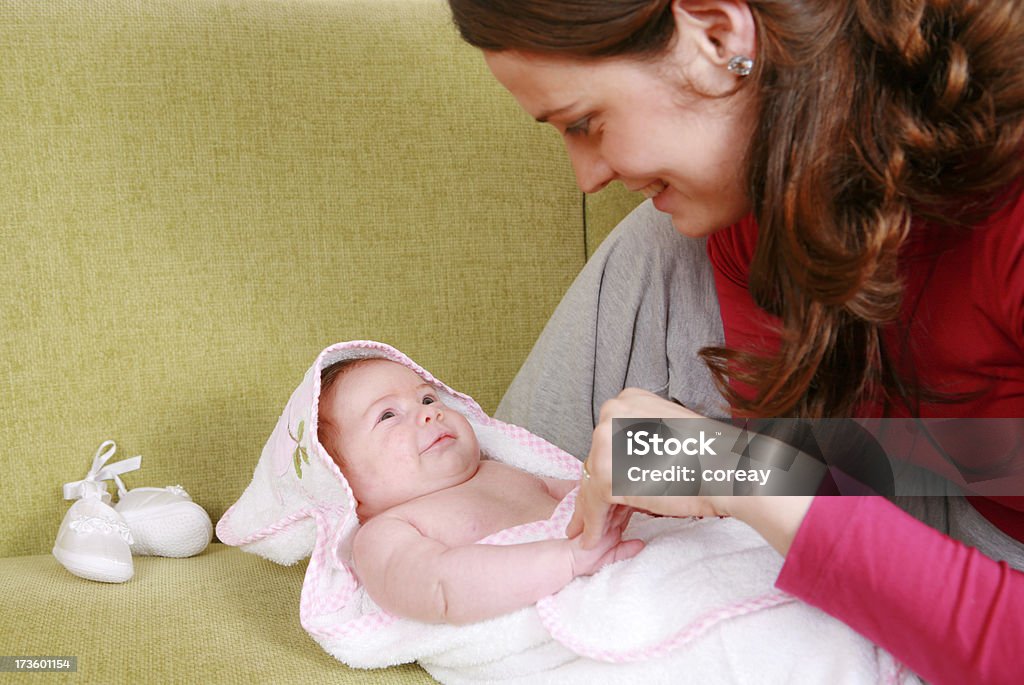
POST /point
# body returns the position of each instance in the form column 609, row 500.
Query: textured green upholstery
column 199, row 195
column 223, row 616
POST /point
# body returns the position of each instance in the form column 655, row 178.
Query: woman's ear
column 720, row 29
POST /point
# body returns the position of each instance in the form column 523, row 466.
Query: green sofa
column 198, row 196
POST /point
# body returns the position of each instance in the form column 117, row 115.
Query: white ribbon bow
column 94, row 484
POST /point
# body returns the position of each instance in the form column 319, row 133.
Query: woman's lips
column 653, row 189
column 659, row 200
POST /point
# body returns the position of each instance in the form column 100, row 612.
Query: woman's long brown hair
column 870, row 113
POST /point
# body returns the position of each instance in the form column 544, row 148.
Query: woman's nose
column 592, row 172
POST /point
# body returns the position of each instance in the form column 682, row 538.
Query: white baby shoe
column 94, row 540
column 164, row 522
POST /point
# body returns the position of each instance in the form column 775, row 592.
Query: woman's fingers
column 597, row 510
column 620, row 517
column 590, row 518
column 596, row 489
column 628, row 549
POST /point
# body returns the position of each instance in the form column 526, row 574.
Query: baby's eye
column 429, row 399
column 386, row 415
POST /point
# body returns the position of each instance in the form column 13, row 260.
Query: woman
column 855, row 168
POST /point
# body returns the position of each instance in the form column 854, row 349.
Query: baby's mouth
column 440, row 440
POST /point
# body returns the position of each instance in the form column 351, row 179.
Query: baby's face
column 397, row 439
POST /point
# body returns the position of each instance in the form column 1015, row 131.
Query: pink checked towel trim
column 227, row 536
column 552, row 621
column 314, row 603
column 552, row 527
column 535, row 444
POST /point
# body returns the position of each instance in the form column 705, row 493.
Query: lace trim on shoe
column 178, row 490
column 96, row 524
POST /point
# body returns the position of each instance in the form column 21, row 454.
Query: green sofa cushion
column 222, row 616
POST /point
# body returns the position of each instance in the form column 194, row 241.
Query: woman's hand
column 596, row 507
column 610, row 547
column 597, row 512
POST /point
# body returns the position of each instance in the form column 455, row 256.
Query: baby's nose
column 431, row 412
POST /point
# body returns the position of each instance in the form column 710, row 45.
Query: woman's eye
column 580, row 128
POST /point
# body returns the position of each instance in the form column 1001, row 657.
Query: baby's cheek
column 469, row 435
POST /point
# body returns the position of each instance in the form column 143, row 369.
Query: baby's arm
column 417, row 577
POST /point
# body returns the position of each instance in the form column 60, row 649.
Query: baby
column 425, row 496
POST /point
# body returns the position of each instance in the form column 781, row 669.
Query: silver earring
column 741, row 65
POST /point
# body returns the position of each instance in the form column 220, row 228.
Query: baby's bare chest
column 498, row 497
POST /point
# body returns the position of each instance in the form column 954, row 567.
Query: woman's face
column 638, row 123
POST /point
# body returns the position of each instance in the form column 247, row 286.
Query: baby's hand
column 610, row 548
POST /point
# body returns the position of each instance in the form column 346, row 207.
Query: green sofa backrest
column 200, row 195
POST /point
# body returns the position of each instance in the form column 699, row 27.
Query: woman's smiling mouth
column 653, row 189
